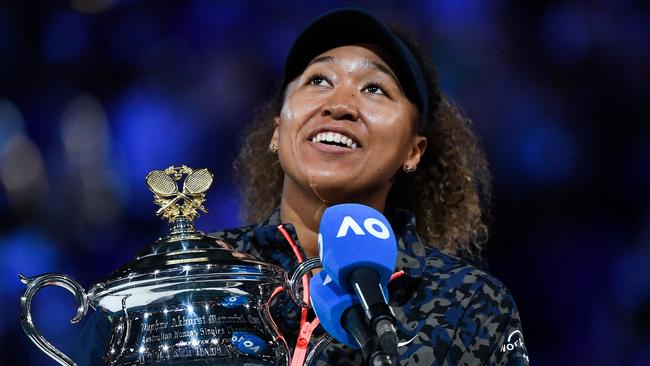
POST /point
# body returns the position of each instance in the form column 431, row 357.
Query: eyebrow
column 371, row 64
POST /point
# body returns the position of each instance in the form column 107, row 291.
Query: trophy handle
column 323, row 341
column 33, row 285
column 302, row 269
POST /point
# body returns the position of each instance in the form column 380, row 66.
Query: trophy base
column 221, row 362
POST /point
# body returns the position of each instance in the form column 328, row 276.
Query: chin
column 335, row 189
column 329, row 187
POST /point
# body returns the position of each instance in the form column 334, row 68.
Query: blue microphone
column 330, row 302
column 342, row 317
column 358, row 250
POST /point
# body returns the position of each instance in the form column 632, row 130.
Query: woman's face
column 346, row 127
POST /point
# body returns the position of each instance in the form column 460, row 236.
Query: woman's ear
column 418, row 146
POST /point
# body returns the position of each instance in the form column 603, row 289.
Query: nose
column 342, row 107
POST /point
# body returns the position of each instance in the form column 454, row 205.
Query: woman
column 360, row 118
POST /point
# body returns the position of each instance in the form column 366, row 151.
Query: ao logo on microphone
column 373, row 226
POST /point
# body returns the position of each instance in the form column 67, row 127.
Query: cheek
column 286, row 114
column 391, row 128
column 295, row 112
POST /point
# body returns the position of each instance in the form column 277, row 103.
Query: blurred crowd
column 96, row 93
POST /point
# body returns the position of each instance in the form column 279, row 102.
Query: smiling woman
column 346, row 93
column 447, row 187
column 359, row 118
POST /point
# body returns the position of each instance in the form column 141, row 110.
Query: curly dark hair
column 449, row 193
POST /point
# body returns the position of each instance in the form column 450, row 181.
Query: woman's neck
column 302, row 208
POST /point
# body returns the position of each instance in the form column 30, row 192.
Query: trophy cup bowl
column 186, row 299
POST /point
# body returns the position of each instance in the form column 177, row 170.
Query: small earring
column 273, row 148
column 408, row 169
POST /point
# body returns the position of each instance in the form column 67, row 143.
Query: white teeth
column 334, row 137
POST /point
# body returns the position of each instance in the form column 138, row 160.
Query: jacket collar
column 411, row 251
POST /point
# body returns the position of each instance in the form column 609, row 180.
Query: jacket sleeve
column 90, row 346
column 490, row 331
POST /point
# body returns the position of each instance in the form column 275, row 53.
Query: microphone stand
column 355, row 323
column 378, row 314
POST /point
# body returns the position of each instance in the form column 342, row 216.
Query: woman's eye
column 319, row 80
column 375, row 89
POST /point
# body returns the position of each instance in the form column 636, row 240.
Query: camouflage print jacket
column 448, row 312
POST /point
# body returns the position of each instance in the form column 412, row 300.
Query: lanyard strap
column 306, row 327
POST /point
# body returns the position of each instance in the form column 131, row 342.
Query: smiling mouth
column 336, row 139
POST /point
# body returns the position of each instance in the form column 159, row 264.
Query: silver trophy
column 188, row 298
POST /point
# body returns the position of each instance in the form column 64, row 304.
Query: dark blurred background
column 96, row 93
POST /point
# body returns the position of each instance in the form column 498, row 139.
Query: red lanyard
column 306, row 327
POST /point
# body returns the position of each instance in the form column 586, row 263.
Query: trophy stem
column 181, row 225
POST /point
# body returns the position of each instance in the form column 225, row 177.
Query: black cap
column 354, row 26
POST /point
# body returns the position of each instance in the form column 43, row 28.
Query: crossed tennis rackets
column 163, row 184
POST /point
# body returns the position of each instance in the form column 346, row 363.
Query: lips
column 335, row 138
column 332, row 138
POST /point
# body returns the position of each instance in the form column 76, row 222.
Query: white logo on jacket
column 513, row 343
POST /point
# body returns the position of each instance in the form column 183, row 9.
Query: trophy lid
column 183, row 259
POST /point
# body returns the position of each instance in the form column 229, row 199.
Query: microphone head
column 354, row 236
column 329, row 302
